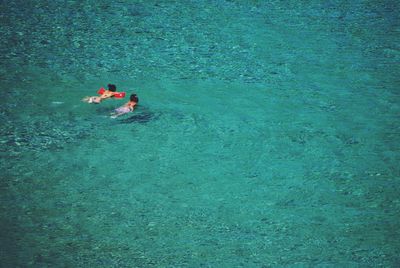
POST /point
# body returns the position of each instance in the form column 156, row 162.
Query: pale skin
column 97, row 99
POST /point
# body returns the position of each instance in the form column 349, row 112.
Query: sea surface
column 267, row 134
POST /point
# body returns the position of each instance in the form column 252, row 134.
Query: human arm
column 107, row 94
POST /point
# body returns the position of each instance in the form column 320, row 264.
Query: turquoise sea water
column 267, row 134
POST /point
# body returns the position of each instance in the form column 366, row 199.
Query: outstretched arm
column 107, row 94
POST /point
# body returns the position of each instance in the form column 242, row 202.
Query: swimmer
column 127, row 107
column 105, row 95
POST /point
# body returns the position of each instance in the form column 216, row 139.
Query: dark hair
column 134, row 98
column 112, row 87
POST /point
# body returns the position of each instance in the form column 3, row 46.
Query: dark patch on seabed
column 140, row 115
column 138, row 118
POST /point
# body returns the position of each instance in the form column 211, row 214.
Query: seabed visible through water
column 267, row 134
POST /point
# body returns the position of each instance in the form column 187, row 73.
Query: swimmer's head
column 134, row 98
column 112, row 88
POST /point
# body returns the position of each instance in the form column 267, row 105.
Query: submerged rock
column 143, row 117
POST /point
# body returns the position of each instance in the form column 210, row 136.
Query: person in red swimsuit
column 105, row 95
